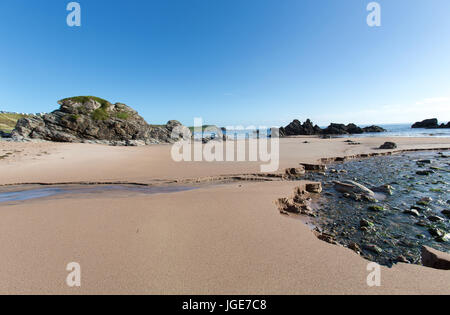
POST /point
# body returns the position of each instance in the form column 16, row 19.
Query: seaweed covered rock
column 93, row 120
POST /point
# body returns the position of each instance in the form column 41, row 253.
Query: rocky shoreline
column 375, row 220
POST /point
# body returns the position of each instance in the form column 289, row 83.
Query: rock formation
column 93, row 120
column 296, row 128
column 341, row 129
column 430, row 124
column 374, row 129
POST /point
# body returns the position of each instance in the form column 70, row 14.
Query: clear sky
column 231, row 62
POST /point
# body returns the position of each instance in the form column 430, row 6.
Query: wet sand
column 222, row 239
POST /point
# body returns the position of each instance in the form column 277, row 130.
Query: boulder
column 435, row 259
column 388, row 146
column 352, row 187
column 446, row 213
column 385, row 189
column 374, row 129
column 295, row 172
column 412, row 212
column 94, row 120
column 427, row 123
column 315, row 188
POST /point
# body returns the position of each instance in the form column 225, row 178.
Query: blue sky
column 232, row 62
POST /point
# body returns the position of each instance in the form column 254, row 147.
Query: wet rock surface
column 407, row 211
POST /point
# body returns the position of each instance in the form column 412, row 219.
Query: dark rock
column 435, row 259
column 365, row 223
column 445, row 126
column 373, row 248
column 341, row 129
column 296, row 128
column 5, row 134
column 315, row 188
column 425, row 173
column 412, row 212
column 388, row 146
column 355, row 247
column 402, row 259
column 327, row 238
column 446, row 213
column 295, row 172
column 427, row 123
column 386, row 189
column 422, row 223
column 374, row 129
column 286, row 205
column 91, row 119
column 436, row 232
column 435, row 218
column 314, row 167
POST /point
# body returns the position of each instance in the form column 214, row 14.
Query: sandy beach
column 222, row 238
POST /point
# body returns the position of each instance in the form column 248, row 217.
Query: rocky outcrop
column 430, row 124
column 93, row 120
column 341, row 129
column 435, row 259
column 296, row 128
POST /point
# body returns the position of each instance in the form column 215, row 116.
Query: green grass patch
column 83, row 99
column 8, row 121
column 123, row 115
column 100, row 114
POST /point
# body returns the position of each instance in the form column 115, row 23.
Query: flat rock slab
column 435, row 259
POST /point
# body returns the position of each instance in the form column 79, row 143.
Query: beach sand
column 218, row 239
